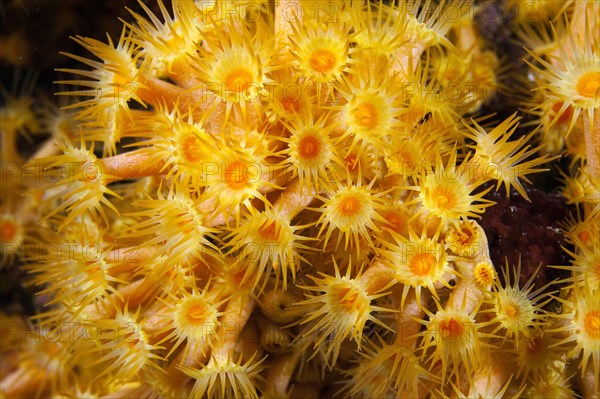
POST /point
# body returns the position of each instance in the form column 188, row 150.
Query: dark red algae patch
column 529, row 230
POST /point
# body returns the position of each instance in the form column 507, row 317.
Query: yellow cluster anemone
column 282, row 199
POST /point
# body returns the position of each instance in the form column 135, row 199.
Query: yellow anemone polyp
column 591, row 323
column 464, row 239
column 269, row 230
column 444, row 201
column 321, row 52
column 352, row 211
column 236, row 176
column 588, row 85
column 238, row 80
column 192, row 315
column 446, row 193
column 421, row 264
column 484, row 274
column 365, row 115
column 584, row 236
column 445, row 198
column 197, row 312
column 418, row 263
column 451, row 329
column 349, row 206
column 309, row 147
column 192, row 148
column 534, row 346
column 347, row 297
column 322, row 60
column 511, row 310
column 8, row 231
column 453, row 335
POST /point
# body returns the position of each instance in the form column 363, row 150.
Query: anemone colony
column 280, row 199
